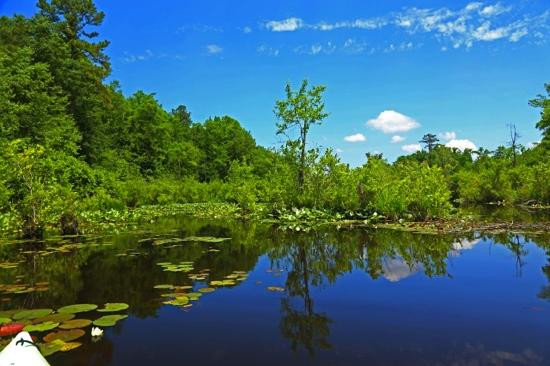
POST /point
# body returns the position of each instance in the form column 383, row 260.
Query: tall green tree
column 82, row 71
column 301, row 109
column 543, row 102
column 430, row 141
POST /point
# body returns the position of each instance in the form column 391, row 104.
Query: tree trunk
column 302, row 172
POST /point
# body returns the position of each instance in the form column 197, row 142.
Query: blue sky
column 394, row 70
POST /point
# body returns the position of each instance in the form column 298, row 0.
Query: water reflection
column 123, row 268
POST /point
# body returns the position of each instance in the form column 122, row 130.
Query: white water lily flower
column 97, row 332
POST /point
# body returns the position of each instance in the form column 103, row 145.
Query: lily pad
column 77, row 308
column 9, row 313
column 75, row 323
column 275, row 289
column 69, row 346
column 108, row 320
column 112, row 307
column 216, row 283
column 205, row 290
column 55, row 318
column 42, row 327
column 47, row 349
column 194, row 296
column 205, row 239
column 178, row 301
column 64, row 335
column 164, row 287
column 32, row 314
column 5, row 320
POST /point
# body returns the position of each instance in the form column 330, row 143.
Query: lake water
column 335, row 297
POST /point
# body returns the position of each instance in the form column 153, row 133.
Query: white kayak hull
column 20, row 352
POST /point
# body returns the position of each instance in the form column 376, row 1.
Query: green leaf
column 112, row 307
column 32, row 314
column 206, row 239
column 56, row 318
column 77, row 308
column 108, row 320
column 64, row 335
column 75, row 323
column 42, row 327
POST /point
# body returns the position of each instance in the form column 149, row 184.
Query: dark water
column 351, row 297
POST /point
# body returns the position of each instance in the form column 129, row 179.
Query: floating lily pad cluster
column 231, row 279
column 10, row 265
column 23, row 288
column 197, row 239
column 63, row 249
column 176, row 267
column 64, row 325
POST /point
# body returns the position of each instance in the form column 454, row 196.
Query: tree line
column 73, row 142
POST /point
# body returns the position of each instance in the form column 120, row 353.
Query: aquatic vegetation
column 180, row 267
column 205, row 239
column 205, row 290
column 55, row 318
column 108, row 320
column 77, row 308
column 178, row 301
column 96, row 332
column 64, row 335
column 32, row 314
column 41, row 327
column 113, row 307
column 275, row 289
column 75, row 323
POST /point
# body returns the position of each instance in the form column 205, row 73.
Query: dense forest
column 71, row 143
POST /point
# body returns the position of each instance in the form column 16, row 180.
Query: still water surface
column 351, row 297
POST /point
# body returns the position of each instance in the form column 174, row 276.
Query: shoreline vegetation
column 77, row 153
column 305, row 220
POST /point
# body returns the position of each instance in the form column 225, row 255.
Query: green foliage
column 301, row 109
column 76, row 146
column 543, row 102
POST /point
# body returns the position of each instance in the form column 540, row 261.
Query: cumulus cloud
column 447, row 136
column 392, row 121
column 461, row 144
column 396, row 138
column 412, row 148
column 214, row 49
column 285, row 25
column 358, row 137
column 247, row 30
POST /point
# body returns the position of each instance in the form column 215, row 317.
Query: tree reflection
column 311, row 261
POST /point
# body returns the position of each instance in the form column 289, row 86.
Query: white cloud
column 458, row 27
column 392, row 121
column 447, row 136
column 396, row 138
column 285, row 25
column 247, row 30
column 358, row 137
column 315, row 49
column 412, row 148
column 267, row 50
column 461, row 144
column 494, row 10
column 130, row 58
column 214, row 49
